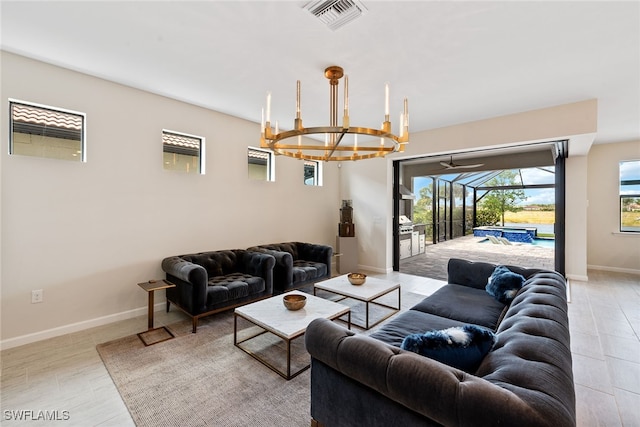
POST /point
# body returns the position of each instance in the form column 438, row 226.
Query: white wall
column 607, row 249
column 366, row 184
column 576, row 218
column 86, row 233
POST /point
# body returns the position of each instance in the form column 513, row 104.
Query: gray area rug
column 202, row 379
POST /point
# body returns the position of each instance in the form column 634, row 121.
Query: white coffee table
column 368, row 293
column 271, row 315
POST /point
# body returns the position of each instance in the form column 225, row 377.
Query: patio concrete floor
column 433, row 263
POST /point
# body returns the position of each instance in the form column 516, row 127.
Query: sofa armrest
column 436, row 391
column 185, row 270
column 283, row 269
column 187, row 274
column 383, row 368
column 260, row 265
column 282, row 259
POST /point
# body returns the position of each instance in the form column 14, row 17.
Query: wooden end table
column 151, row 286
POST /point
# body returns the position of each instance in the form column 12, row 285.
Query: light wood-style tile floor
column 66, row 373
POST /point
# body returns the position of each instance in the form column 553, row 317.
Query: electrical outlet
column 37, row 296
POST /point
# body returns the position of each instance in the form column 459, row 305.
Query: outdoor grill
column 406, row 226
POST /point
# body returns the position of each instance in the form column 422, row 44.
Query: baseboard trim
column 578, row 277
column 614, row 269
column 77, row 327
column 374, row 269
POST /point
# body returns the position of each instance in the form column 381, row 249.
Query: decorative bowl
column 294, row 301
column 357, row 278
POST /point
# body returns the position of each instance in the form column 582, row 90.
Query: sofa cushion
column 476, row 273
column 462, row 347
column 394, row 331
column 233, row 286
column 308, row 270
column 503, row 284
column 480, row 308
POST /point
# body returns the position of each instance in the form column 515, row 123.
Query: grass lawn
column 530, row 217
column 631, row 219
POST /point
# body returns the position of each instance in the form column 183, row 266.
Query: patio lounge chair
column 506, row 241
column 494, row 240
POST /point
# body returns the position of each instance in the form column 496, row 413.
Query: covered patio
column 451, row 197
column 433, row 263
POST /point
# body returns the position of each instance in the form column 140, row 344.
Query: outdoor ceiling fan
column 451, row 165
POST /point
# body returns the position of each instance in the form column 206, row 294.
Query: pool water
column 546, row 243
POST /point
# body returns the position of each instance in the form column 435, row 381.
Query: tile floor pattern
column 66, row 373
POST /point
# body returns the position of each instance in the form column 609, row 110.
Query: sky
column 543, row 196
column 630, row 170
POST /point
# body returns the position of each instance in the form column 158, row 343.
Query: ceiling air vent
column 336, row 13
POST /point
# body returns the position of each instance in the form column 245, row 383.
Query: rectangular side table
column 151, row 286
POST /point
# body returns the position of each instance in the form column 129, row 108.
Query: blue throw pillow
column 462, row 347
column 503, row 284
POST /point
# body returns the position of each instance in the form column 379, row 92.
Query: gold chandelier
column 376, row 142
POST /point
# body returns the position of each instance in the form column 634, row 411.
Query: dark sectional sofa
column 524, row 380
column 297, row 264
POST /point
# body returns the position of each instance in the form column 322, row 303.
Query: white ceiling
column 455, row 61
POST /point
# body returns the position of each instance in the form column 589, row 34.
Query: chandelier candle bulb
column 405, row 123
column 386, row 102
column 269, row 107
column 401, row 124
column 346, row 95
column 298, row 99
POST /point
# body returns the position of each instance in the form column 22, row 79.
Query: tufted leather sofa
column 525, row 380
column 297, row 264
column 210, row 282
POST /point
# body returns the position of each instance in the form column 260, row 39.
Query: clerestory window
column 183, row 152
column 312, row 172
column 260, row 164
column 44, row 131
